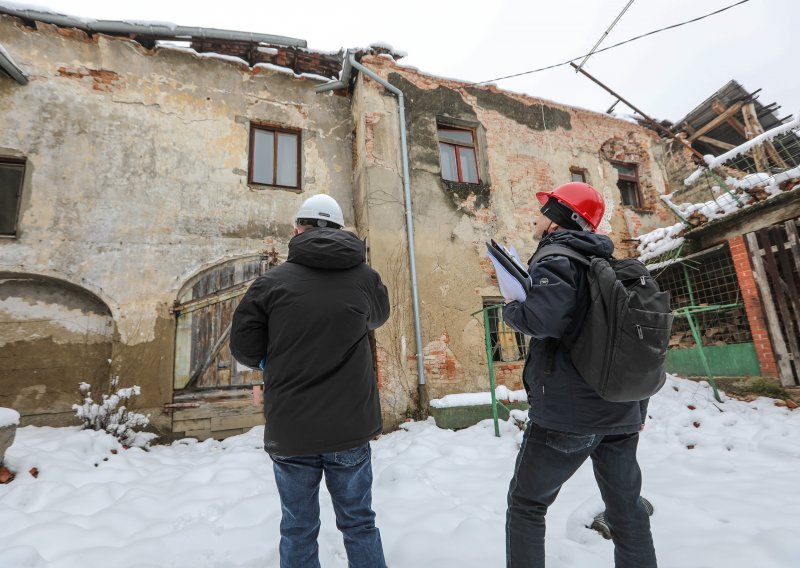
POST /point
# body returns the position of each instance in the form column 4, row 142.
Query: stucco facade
column 136, row 182
column 136, row 200
column 524, row 145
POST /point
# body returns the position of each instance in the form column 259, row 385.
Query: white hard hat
column 321, row 207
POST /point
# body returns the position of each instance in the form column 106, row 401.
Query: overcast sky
column 665, row 75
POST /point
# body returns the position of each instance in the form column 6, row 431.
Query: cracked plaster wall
column 137, row 172
column 525, row 145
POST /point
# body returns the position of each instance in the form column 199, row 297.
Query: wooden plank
column 191, row 424
column 773, row 323
column 791, row 289
column 752, row 129
column 723, row 115
column 213, row 298
column 217, row 409
column 794, row 241
column 193, row 380
column 241, row 421
column 715, row 142
column 221, row 434
column 718, row 107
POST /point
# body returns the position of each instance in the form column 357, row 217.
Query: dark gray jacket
column 311, row 318
column 558, row 301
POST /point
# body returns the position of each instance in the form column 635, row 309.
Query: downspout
column 150, row 30
column 350, row 63
column 11, row 68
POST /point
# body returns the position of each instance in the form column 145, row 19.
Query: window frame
column 443, row 126
column 14, row 161
column 275, row 129
column 638, row 195
column 576, row 171
column 521, row 340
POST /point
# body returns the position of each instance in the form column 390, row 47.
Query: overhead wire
column 568, row 61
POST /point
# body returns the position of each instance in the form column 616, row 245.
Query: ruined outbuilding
column 145, row 185
column 735, row 274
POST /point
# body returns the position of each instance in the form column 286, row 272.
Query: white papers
column 512, row 276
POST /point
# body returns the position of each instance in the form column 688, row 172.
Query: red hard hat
column 581, row 197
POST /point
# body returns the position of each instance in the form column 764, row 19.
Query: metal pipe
column 409, row 217
column 153, row 31
column 9, row 66
column 344, row 78
column 667, row 131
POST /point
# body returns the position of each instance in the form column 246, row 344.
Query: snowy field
column 730, row 501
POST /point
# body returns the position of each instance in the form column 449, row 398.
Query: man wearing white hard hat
column 306, row 323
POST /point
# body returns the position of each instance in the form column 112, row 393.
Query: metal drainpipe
column 350, row 61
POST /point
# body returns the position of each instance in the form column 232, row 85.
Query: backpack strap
column 558, row 250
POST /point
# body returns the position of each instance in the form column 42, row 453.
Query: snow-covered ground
column 730, row 501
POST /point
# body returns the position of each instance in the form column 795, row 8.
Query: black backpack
column 621, row 346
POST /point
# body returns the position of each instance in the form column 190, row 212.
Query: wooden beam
column 724, row 115
column 752, row 129
column 715, row 142
column 750, row 115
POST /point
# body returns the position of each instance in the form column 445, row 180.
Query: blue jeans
column 547, row 459
column 348, row 475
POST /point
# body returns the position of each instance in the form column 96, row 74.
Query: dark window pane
column 578, row 176
column 11, row 176
column 447, row 157
column 456, row 136
column 287, row 159
column 469, row 167
column 629, row 192
column 263, row 156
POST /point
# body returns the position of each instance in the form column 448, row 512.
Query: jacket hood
column 331, row 249
column 588, row 244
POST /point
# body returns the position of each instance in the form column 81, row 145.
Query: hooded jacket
column 311, row 317
column 556, row 304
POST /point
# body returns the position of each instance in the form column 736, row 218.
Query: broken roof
column 704, row 124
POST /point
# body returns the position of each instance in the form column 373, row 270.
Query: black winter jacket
column 311, row 317
column 557, row 303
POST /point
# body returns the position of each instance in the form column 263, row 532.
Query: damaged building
column 735, row 274
column 145, row 184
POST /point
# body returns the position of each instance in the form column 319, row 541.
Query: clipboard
column 512, row 276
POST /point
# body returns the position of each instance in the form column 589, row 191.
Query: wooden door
column 203, row 358
column 775, row 255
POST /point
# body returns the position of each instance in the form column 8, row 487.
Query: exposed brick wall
column 297, row 59
column 753, row 307
column 509, row 374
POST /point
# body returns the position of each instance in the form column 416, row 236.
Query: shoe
column 600, row 524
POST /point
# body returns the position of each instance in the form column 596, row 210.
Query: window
column 274, row 157
column 577, row 174
column 457, row 155
column 507, row 344
column 628, row 185
column 12, row 173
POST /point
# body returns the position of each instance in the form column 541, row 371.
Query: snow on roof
column 8, row 417
column 744, row 192
column 387, row 47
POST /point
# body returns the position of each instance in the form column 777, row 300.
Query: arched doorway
column 212, row 390
column 53, row 336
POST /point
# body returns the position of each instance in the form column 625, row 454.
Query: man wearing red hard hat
column 569, row 421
